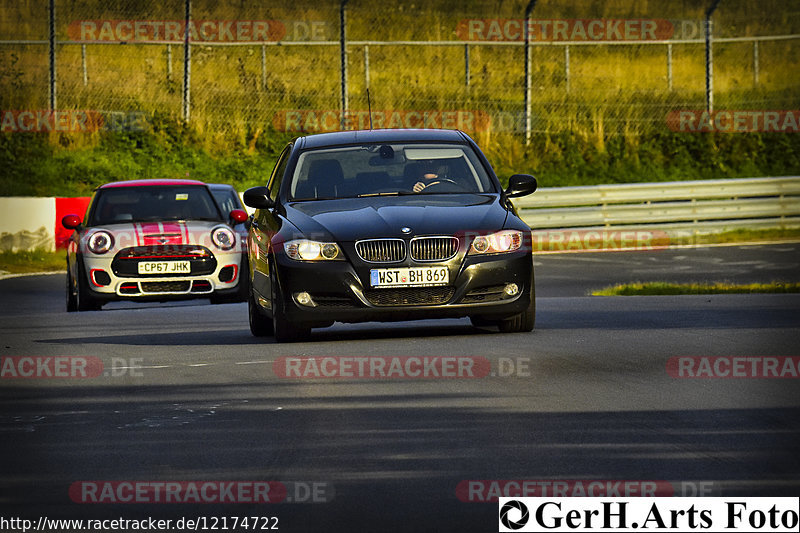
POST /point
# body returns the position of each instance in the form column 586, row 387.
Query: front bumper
column 108, row 281
column 341, row 292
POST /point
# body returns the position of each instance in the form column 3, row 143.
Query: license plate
column 165, row 267
column 409, row 277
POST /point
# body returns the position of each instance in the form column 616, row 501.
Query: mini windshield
column 388, row 169
column 150, row 203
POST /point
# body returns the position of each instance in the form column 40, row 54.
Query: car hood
column 168, row 232
column 351, row 219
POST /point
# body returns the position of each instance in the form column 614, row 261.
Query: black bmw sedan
column 386, row 225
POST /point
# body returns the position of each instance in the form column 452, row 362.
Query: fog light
column 511, row 289
column 303, row 298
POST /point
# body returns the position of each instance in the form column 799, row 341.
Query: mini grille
column 165, row 286
column 381, row 250
column 187, row 251
column 410, row 296
column 433, row 248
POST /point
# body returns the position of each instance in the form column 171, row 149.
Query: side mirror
column 71, row 221
column 521, row 185
column 258, row 198
column 238, row 216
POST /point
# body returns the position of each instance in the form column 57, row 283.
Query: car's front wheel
column 522, row 322
column 260, row 326
column 72, row 298
column 283, row 329
column 83, row 297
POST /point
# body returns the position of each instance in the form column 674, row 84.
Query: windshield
column 149, row 203
column 388, row 169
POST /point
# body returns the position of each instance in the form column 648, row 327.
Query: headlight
column 223, row 238
column 497, row 243
column 100, row 242
column 302, row 250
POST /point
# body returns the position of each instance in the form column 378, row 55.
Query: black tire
column 84, row 298
column 72, row 298
column 260, row 326
column 283, row 330
column 524, row 321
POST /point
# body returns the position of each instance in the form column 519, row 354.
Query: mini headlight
column 497, row 243
column 100, row 242
column 223, row 238
column 303, row 250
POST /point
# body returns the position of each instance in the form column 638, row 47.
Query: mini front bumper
column 107, row 284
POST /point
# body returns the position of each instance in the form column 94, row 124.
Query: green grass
column 739, row 236
column 659, row 288
column 32, row 261
column 609, row 128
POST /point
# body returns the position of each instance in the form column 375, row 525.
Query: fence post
column 366, row 66
column 710, row 58
column 466, row 65
column 566, row 65
column 669, row 66
column 263, row 67
column 526, row 31
column 187, row 63
column 53, row 80
column 755, row 63
column 169, row 62
column 83, row 65
column 343, row 52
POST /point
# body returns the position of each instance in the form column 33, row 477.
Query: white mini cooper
column 154, row 240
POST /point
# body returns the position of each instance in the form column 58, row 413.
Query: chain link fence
column 597, row 69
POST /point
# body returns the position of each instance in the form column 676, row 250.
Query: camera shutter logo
column 523, row 511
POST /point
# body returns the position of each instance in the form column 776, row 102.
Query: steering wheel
column 448, row 185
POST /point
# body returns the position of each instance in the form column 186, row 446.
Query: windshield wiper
column 386, row 193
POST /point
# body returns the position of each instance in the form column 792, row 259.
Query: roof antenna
column 369, row 108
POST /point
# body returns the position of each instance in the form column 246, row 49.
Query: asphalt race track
column 186, row 394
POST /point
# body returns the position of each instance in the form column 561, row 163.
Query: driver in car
column 430, row 176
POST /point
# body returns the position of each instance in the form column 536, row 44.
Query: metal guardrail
column 700, row 206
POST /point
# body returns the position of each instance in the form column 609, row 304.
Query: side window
column 277, row 174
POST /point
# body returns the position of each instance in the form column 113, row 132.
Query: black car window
column 151, row 203
column 278, row 172
column 383, row 169
column 227, row 200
